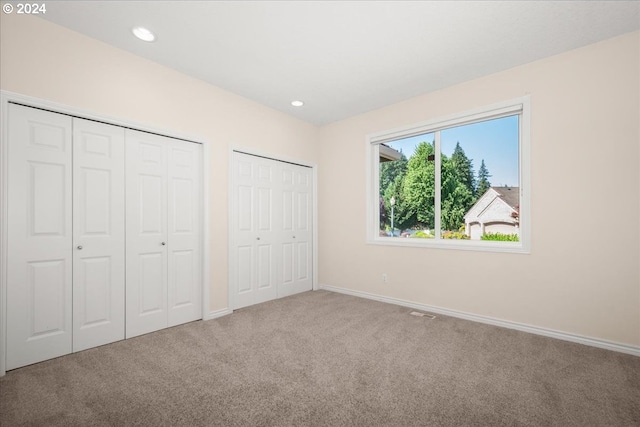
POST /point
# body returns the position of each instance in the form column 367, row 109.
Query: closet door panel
column 295, row 261
column 184, row 234
column 242, row 261
column 98, row 234
column 267, row 207
column 303, row 230
column 254, row 221
column 146, row 229
column 39, row 275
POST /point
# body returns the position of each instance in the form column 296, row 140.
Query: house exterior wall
column 475, row 231
column 490, row 214
column 482, row 204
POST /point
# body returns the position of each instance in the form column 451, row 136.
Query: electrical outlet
column 385, row 278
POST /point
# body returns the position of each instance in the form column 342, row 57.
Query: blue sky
column 495, row 141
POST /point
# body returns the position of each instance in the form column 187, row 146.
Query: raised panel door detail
column 264, row 173
column 150, row 204
column 303, row 178
column 96, row 291
column 47, row 302
column 287, row 262
column 152, row 270
column 182, row 159
column 287, row 210
column 244, row 169
column 265, row 266
column 184, row 274
column 264, row 209
column 245, row 208
column 183, row 205
column 151, row 154
column 96, row 186
column 303, row 211
column 302, row 261
column 97, row 145
column 245, row 258
column 287, row 177
column 48, row 198
column 46, row 136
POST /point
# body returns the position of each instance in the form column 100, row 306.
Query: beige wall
column 585, row 161
column 47, row 61
column 582, row 274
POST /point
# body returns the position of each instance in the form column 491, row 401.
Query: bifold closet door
column 271, row 223
column 39, row 268
column 296, row 248
column 98, row 234
column 146, row 295
column 253, row 262
column 76, row 278
column 164, row 255
column 184, row 232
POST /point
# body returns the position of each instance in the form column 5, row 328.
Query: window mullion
column 437, row 185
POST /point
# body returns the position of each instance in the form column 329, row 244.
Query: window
column 458, row 182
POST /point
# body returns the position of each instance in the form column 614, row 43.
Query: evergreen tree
column 456, row 197
column 418, row 190
column 463, row 168
column 458, row 189
column 483, row 180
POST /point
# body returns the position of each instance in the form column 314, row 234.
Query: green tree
column 391, row 179
column 463, row 168
column 389, row 171
column 456, row 197
column 458, row 189
column 483, row 180
column 418, row 190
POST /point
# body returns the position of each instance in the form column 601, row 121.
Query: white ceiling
column 345, row 58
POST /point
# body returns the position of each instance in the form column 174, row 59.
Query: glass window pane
column 480, row 181
column 407, row 179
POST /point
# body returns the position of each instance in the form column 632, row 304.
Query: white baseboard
column 217, row 313
column 593, row 342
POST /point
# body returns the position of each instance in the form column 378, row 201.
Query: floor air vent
column 419, row 314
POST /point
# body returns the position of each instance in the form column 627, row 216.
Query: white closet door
column 296, row 248
column 254, row 210
column 146, row 265
column 98, row 234
column 39, row 274
column 184, row 234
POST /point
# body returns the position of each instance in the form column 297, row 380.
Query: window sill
column 463, row 245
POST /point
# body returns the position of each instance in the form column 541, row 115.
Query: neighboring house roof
column 510, row 195
column 388, row 154
column 485, row 208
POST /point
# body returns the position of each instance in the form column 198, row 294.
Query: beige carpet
column 325, row 359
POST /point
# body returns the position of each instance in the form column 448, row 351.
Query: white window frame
column 519, row 106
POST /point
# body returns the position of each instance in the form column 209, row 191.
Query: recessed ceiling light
column 143, row 34
column 297, row 103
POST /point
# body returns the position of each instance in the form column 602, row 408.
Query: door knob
column 294, row 237
column 163, row 243
column 257, row 238
column 80, row 247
